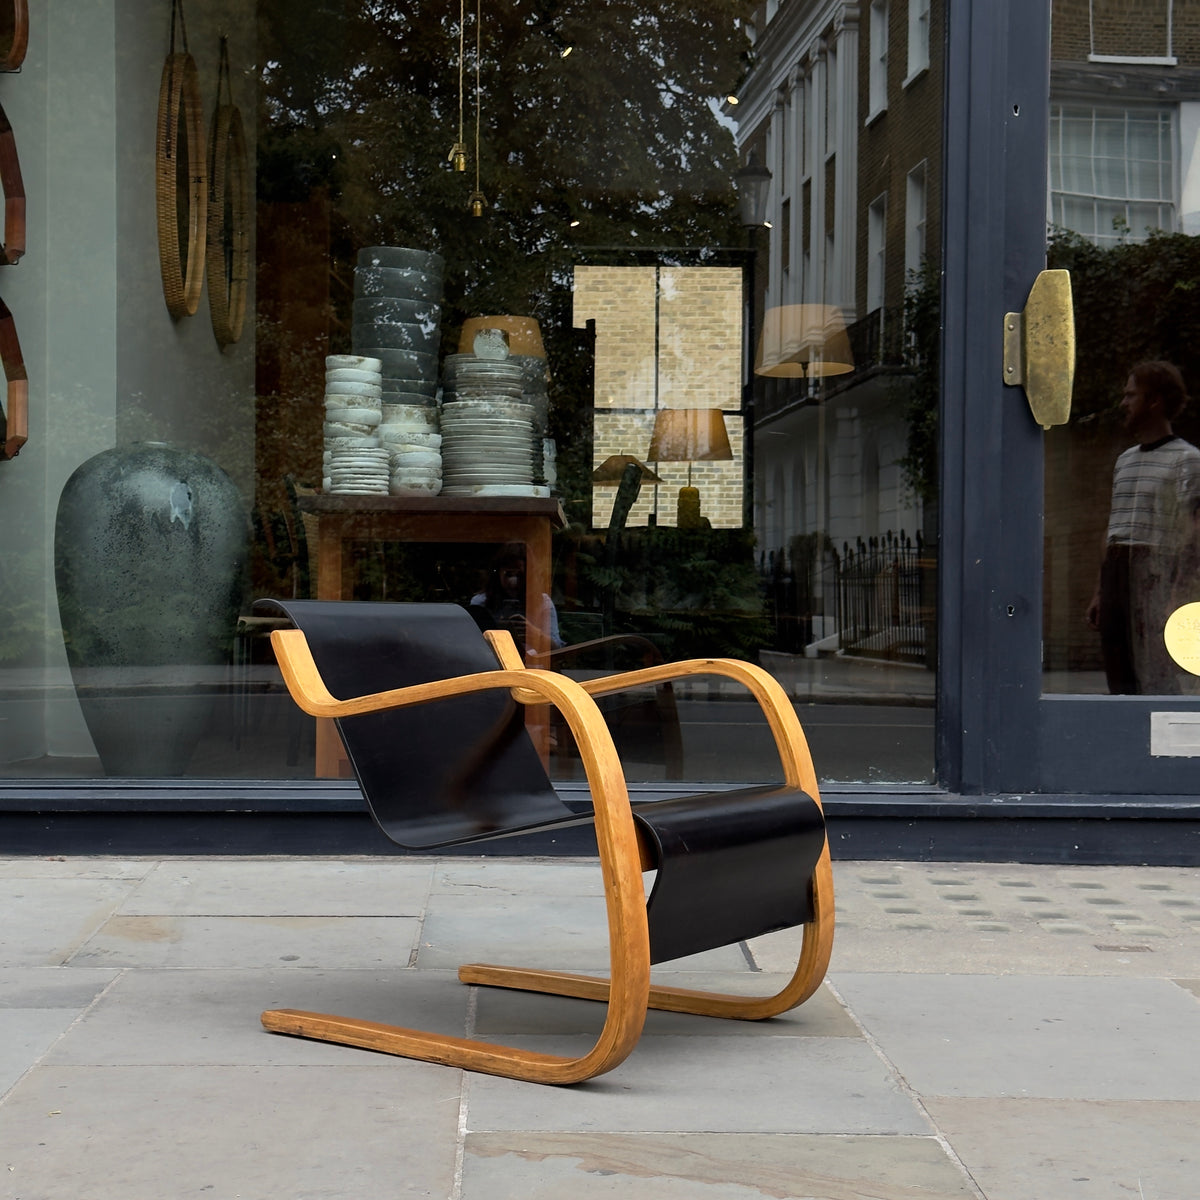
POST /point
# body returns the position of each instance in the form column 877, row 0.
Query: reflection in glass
column 612, row 229
column 1122, row 484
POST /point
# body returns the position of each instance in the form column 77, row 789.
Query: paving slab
column 1066, row 1038
column 127, row 1133
column 212, row 1017
column 47, row 918
column 51, row 987
column 508, row 1013
column 214, row 942
column 1076, row 1150
column 560, row 932
column 686, row 1085
column 960, row 918
column 37, row 1006
column 25, row 1036
column 709, row 1166
column 283, row 887
column 60, row 867
column 540, row 876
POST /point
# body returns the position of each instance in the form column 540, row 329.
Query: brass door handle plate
column 1039, row 348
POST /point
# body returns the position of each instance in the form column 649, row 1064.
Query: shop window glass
column 594, row 236
column 1122, row 477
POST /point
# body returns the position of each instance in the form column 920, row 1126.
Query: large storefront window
column 600, row 406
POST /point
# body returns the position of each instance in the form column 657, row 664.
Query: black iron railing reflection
column 877, row 341
column 879, row 598
column 867, row 599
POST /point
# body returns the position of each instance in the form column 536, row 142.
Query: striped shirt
column 1156, row 493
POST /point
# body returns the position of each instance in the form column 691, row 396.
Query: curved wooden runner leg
column 629, row 939
column 810, row 970
column 466, row 1053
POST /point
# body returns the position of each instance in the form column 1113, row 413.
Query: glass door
column 1077, row 543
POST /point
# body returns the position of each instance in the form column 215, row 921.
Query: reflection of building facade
column 843, row 105
column 1124, row 118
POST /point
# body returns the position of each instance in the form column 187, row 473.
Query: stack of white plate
column 469, row 377
column 487, row 448
column 355, row 462
column 410, row 434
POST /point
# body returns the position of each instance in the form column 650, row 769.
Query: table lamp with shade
column 627, row 474
column 612, row 470
column 689, row 435
column 803, row 341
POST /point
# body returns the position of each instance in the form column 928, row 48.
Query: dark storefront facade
column 764, row 252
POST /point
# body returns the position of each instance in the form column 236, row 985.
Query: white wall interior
column 106, row 362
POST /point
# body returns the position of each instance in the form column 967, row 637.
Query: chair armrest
column 308, row 689
column 772, row 699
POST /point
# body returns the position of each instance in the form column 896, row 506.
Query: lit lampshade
column 689, row 435
column 803, row 341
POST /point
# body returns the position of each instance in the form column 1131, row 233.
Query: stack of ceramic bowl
column 355, row 463
column 410, row 434
column 524, row 340
column 487, row 430
column 398, row 319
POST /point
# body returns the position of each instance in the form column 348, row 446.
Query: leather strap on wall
column 14, row 419
column 181, row 207
column 14, row 193
column 228, row 250
column 14, row 422
column 14, row 33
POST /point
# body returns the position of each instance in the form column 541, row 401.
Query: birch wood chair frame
column 627, row 845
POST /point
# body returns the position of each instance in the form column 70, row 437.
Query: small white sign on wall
column 1175, row 734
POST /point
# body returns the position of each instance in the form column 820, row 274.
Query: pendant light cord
column 462, row 20
column 478, row 43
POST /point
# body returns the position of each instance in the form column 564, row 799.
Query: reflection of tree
column 1133, row 301
column 621, row 135
column 922, row 357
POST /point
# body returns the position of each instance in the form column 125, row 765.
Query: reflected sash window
column 1112, row 171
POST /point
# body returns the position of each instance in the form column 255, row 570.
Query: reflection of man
column 1150, row 555
column 501, row 605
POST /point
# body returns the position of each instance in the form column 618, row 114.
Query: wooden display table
column 496, row 519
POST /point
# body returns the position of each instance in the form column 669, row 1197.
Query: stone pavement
column 998, row 1031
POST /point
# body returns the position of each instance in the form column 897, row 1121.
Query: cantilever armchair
column 432, row 721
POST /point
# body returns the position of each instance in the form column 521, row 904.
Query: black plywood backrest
column 455, row 770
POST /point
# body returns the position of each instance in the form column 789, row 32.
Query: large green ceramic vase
column 150, row 548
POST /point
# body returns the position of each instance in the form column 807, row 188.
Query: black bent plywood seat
column 431, row 714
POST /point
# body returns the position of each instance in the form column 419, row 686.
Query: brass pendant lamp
column 458, row 152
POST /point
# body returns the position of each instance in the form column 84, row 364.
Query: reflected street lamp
column 753, row 183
